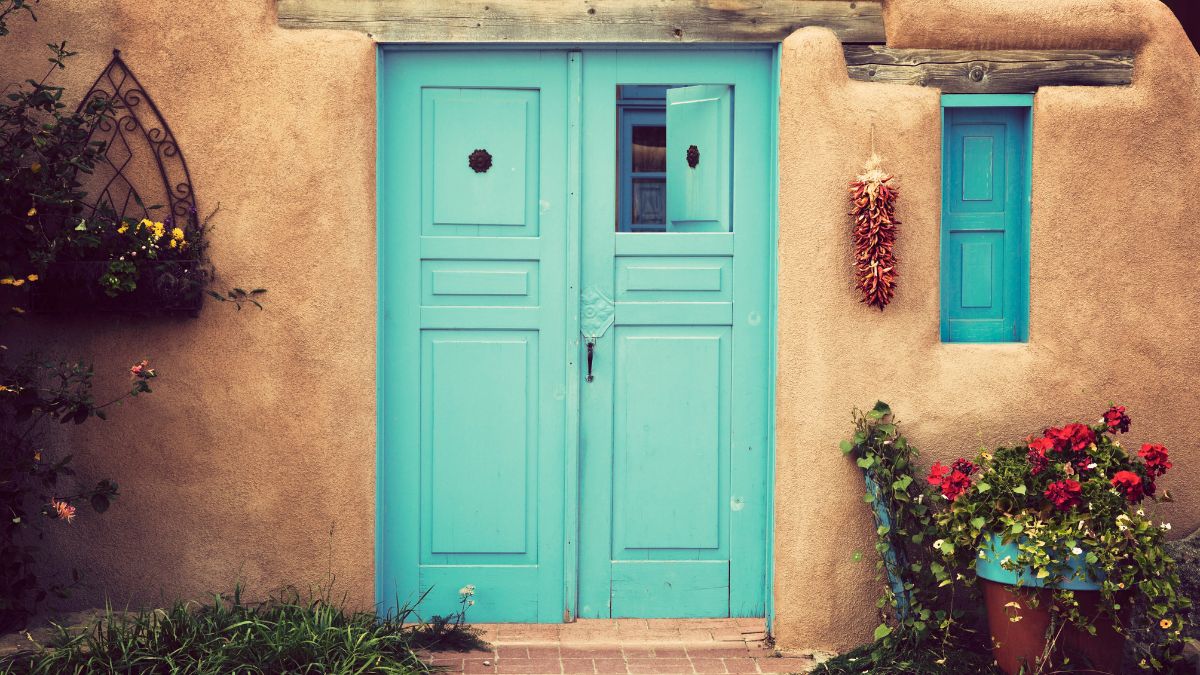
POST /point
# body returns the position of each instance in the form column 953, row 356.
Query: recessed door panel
column 669, row 449
column 481, row 153
column 489, row 378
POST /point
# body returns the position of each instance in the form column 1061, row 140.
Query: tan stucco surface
column 1113, row 294
column 254, row 459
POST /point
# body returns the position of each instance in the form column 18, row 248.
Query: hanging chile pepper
column 874, row 234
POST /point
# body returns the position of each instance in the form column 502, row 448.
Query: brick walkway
column 624, row 646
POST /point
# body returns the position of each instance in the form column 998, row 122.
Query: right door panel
column 673, row 426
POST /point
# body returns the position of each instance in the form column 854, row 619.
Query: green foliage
column 967, row 659
column 919, row 608
column 45, row 150
column 36, row 488
column 286, row 634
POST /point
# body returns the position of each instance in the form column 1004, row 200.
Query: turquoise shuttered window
column 986, row 151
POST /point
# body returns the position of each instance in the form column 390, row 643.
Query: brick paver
column 624, row 646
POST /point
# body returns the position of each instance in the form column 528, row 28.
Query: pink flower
column 63, row 510
column 142, row 370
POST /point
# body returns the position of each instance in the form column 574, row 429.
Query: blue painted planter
column 989, row 567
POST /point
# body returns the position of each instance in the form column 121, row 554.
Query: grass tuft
column 285, row 634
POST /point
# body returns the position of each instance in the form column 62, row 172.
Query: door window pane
column 649, row 149
column 649, row 204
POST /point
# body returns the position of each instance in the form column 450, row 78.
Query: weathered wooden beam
column 590, row 21
column 989, row 72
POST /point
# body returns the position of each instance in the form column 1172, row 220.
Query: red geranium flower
column 1079, row 436
column 1073, row 437
column 1116, row 419
column 964, row 466
column 937, row 473
column 1038, row 461
column 1156, row 459
column 1038, row 447
column 954, row 479
column 1064, row 494
column 1041, row 445
column 1129, row 484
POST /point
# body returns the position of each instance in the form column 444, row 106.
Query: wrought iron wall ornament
column 480, row 160
column 693, row 156
column 135, row 129
column 140, row 174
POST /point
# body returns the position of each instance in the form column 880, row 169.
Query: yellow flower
column 158, row 229
column 18, row 310
column 1165, row 624
column 145, row 223
column 37, row 456
column 174, row 243
column 123, row 228
column 18, row 282
column 6, row 281
column 32, row 211
column 33, row 277
column 177, row 233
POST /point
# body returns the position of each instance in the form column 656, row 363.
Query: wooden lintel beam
column 989, row 72
column 587, row 21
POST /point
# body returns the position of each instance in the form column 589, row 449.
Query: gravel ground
column 1187, row 556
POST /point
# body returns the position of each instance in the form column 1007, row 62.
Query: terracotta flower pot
column 1018, row 628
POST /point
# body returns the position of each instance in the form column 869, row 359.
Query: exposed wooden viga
column 857, row 23
column 989, row 72
column 587, row 21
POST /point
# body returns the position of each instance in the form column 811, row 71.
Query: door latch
column 591, row 351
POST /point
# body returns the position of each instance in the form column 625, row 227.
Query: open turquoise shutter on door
column 698, row 196
column 985, row 230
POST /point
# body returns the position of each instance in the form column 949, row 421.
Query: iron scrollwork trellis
column 124, row 183
column 135, row 117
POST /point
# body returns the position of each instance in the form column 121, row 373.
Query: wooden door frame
column 573, row 254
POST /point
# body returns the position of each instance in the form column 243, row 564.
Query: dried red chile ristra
column 874, row 234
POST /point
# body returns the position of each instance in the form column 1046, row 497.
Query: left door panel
column 472, row 359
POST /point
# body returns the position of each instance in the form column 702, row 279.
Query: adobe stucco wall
column 254, row 458
column 1114, row 312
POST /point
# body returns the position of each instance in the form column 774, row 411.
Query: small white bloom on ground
column 1077, row 551
column 1166, row 526
column 937, row 545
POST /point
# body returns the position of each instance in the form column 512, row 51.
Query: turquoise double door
column 572, row 398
